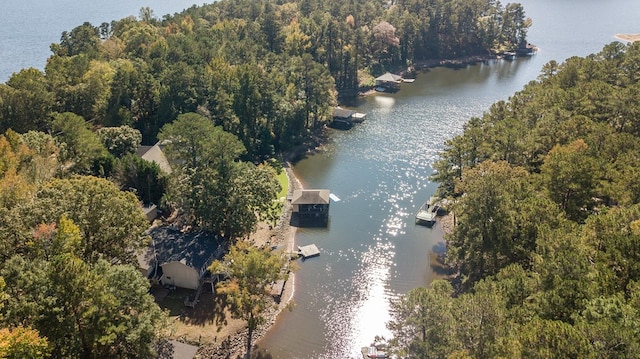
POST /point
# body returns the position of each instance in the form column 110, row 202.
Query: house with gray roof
column 178, row 259
column 388, row 82
column 155, row 154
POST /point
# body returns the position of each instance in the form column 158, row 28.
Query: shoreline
column 282, row 235
column 412, row 70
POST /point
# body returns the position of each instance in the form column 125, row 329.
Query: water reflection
column 354, row 320
column 380, row 169
column 384, row 102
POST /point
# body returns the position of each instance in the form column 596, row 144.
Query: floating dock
column 427, row 213
column 308, row 251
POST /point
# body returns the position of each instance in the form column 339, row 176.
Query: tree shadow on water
column 258, row 353
column 438, row 265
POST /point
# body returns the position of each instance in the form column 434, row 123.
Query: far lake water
column 371, row 251
column 28, row 27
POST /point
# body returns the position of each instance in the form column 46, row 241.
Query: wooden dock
column 308, row 251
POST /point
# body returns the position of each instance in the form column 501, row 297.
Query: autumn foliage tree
column 84, row 309
column 251, row 272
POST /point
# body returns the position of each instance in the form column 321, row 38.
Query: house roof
column 342, row 113
column 171, row 245
column 154, row 154
column 310, row 196
column 389, row 77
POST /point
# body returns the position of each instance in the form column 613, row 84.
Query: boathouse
column 343, row 114
column 526, row 49
column 344, row 119
column 388, row 82
column 340, row 113
column 310, row 207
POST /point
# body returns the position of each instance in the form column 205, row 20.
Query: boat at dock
column 428, row 212
column 374, row 352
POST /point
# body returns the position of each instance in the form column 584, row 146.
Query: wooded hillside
column 547, row 241
column 266, row 71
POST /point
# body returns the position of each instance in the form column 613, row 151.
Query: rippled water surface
column 372, row 251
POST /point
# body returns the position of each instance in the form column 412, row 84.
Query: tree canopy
column 267, row 72
column 547, row 213
column 251, row 272
column 210, row 186
column 83, row 308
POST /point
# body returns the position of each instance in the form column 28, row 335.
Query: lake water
column 371, row 251
column 30, row 26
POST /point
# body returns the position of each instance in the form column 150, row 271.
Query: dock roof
column 342, row 113
column 310, row 196
column 389, row 77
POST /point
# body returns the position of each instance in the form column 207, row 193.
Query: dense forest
column 547, row 239
column 548, row 261
column 266, row 71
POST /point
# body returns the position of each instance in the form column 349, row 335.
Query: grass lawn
column 284, row 184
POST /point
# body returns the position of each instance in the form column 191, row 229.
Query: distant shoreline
column 628, row 37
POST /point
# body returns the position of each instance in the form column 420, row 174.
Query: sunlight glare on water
column 357, row 319
column 372, row 250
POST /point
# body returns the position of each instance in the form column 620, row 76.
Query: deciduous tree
column 85, row 310
column 121, row 140
column 23, row 343
column 81, row 146
column 211, row 187
column 251, row 273
column 110, row 220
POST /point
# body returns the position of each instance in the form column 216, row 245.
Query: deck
column 308, row 251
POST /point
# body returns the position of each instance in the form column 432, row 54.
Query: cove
column 372, row 251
